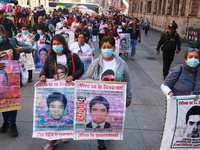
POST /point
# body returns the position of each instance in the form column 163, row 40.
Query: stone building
column 186, row 13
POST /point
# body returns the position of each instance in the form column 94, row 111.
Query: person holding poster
column 59, row 54
column 26, row 37
column 12, row 48
column 185, row 79
column 43, row 40
column 100, row 70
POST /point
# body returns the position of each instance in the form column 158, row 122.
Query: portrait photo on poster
column 99, row 110
column 56, row 103
column 123, row 43
column 40, row 56
column 108, row 75
column 4, row 84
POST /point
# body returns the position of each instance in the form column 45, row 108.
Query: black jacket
column 169, row 42
column 48, row 69
column 9, row 26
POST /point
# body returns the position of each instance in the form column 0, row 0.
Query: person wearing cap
column 8, row 25
column 169, row 44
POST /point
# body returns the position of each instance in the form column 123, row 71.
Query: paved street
column 144, row 118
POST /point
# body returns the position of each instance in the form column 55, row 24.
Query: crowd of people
column 39, row 31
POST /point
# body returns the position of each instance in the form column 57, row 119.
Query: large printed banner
column 53, row 110
column 10, row 86
column 182, row 126
column 99, row 110
column 86, row 60
column 68, row 34
column 124, row 43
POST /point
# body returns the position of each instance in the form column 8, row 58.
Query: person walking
column 135, row 35
column 170, row 42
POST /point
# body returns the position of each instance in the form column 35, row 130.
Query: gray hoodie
column 121, row 74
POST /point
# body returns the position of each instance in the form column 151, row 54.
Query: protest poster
column 99, row 110
column 53, row 110
column 124, row 43
column 39, row 57
column 6, row 54
column 182, row 126
column 26, row 59
column 68, row 34
column 10, row 86
column 86, row 59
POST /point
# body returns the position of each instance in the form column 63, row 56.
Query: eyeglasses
column 193, row 49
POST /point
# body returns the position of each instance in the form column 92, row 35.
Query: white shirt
column 58, row 25
column 85, row 48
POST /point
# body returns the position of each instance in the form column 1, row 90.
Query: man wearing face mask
column 170, row 42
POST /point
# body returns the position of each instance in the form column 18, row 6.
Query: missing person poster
column 10, row 86
column 124, row 43
column 182, row 126
column 68, row 35
column 86, row 59
column 99, row 110
column 53, row 110
column 26, row 59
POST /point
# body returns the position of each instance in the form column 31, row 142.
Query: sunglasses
column 193, row 49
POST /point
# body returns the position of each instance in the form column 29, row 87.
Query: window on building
column 159, row 7
column 141, row 7
column 183, row 6
column 149, row 6
column 176, row 7
column 163, row 7
column 194, row 7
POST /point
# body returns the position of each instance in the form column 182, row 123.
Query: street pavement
column 144, row 118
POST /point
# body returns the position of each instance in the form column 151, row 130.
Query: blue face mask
column 58, row 48
column 119, row 27
column 1, row 39
column 39, row 32
column 25, row 32
column 107, row 53
column 193, row 62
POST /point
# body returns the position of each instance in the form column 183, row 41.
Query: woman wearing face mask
column 109, row 61
column 26, row 37
column 185, row 79
column 60, row 57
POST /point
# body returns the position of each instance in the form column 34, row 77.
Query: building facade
column 186, row 13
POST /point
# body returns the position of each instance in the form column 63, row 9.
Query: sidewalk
column 144, row 118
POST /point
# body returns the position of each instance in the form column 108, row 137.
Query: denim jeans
column 133, row 45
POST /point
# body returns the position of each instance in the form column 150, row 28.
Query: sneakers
column 13, row 131
column 4, row 128
column 132, row 58
column 51, row 144
column 101, row 148
column 65, row 140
